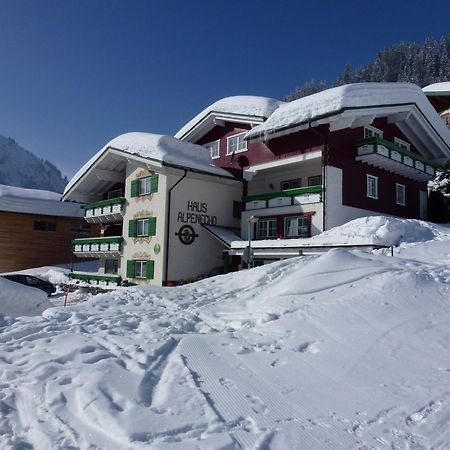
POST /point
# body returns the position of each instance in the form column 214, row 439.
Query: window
column 296, row 227
column 236, row 144
column 144, row 186
column 266, row 228
column 142, row 227
column 291, row 184
column 214, row 149
column 316, row 180
column 116, row 193
column 41, row 225
column 140, row 269
column 400, row 194
column 111, row 266
column 372, row 186
column 402, row 144
column 372, row 132
column 237, row 209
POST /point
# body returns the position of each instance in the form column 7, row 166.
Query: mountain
column 406, row 62
column 19, row 167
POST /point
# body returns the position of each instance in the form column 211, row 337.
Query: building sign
column 196, row 213
column 186, row 235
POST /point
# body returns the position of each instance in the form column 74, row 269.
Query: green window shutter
column 130, row 268
column 154, row 183
column 152, row 226
column 134, row 188
column 132, row 228
column 150, row 269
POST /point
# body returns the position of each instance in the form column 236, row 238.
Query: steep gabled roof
column 241, row 109
column 359, row 104
column 155, row 148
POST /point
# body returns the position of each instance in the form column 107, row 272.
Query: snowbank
column 19, row 300
column 437, row 88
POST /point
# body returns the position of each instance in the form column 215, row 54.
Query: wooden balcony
column 99, row 247
column 104, row 211
column 389, row 156
column 299, row 196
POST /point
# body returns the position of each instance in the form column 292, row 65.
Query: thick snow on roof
column 247, row 105
column 437, row 88
column 157, row 147
column 35, row 201
column 335, row 100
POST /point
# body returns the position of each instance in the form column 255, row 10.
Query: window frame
column 370, row 178
column 262, row 220
column 210, row 145
column 315, row 176
column 305, row 226
column 376, row 132
column 142, row 265
column 236, row 136
column 403, row 190
column 147, row 181
column 146, row 227
column 114, row 263
column 402, row 144
column 299, row 180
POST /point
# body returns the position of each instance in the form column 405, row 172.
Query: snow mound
column 437, row 88
column 18, row 300
column 379, row 230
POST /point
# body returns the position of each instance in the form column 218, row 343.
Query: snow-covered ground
column 346, row 350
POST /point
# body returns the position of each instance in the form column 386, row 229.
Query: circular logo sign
column 157, row 249
column 186, row 234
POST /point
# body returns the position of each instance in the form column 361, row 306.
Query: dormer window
column 370, row 131
column 214, row 149
column 402, row 144
column 236, row 144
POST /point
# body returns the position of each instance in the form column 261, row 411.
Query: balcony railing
column 104, row 211
column 106, row 247
column 300, row 196
column 96, row 278
column 389, row 156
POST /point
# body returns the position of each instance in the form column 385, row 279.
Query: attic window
column 372, row 132
column 214, row 149
column 236, row 144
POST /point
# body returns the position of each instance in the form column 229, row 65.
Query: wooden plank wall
column 22, row 247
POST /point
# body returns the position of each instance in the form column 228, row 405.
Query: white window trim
column 146, row 182
column 303, row 218
column 401, row 143
column 208, row 146
column 236, row 151
column 368, row 186
column 142, row 264
column 137, row 226
column 374, row 130
column 397, row 186
column 266, row 219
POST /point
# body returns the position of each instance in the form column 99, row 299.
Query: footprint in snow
column 307, row 347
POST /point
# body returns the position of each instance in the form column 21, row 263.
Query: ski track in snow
column 282, row 356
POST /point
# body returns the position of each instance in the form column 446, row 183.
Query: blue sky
column 76, row 73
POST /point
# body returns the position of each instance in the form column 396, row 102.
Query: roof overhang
column 213, row 119
column 407, row 116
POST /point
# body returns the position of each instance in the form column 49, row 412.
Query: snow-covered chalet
column 174, row 209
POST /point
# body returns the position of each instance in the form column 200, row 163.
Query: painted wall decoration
column 186, row 235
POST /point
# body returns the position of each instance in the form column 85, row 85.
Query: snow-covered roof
column 437, row 89
column 35, row 201
column 350, row 97
column 240, row 105
column 160, row 148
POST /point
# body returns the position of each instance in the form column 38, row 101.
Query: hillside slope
column 19, row 167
